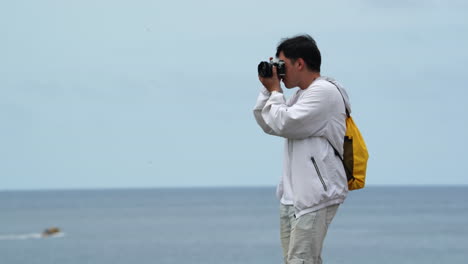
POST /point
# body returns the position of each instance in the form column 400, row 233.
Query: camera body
column 265, row 68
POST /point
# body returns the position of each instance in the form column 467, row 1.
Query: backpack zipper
column 318, row 173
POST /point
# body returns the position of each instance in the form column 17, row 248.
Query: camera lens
column 265, row 69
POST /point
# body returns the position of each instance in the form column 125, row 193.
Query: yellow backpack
column 355, row 153
column 355, row 156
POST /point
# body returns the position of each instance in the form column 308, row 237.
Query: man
column 313, row 183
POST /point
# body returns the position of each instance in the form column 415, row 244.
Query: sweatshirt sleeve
column 261, row 101
column 307, row 117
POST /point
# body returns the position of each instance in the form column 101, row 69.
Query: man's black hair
column 302, row 46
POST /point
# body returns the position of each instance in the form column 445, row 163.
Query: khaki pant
column 302, row 238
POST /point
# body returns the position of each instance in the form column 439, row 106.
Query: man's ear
column 300, row 63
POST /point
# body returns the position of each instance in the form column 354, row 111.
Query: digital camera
column 265, row 68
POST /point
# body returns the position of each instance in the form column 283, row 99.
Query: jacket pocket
column 319, row 174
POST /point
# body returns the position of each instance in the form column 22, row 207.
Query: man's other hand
column 271, row 83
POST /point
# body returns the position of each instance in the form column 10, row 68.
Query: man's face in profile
column 290, row 77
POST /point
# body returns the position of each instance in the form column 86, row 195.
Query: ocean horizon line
column 234, row 187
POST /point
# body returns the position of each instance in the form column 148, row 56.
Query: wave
column 30, row 236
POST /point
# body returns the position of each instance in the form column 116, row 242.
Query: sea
column 375, row 225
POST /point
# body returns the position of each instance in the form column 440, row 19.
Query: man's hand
column 271, row 83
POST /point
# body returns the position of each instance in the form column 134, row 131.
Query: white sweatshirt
column 313, row 175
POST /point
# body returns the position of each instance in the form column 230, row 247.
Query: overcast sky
column 117, row 94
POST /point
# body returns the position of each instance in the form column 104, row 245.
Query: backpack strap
column 339, row 90
column 347, row 114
